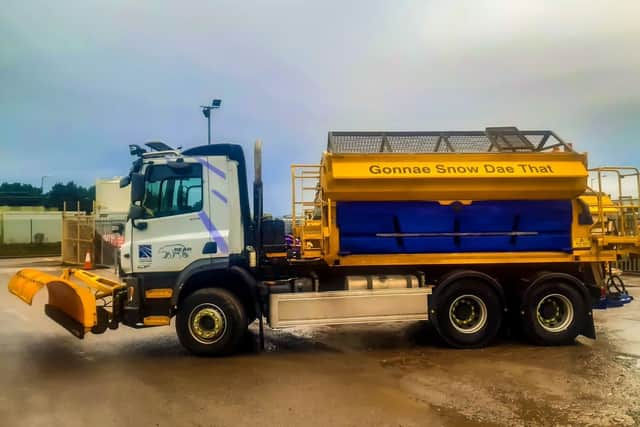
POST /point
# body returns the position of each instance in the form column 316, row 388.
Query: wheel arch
column 454, row 276
column 234, row 279
column 437, row 304
column 589, row 330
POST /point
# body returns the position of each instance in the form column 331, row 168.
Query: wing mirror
column 137, row 187
column 137, row 212
column 124, row 181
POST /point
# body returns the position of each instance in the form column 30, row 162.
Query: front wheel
column 468, row 314
column 211, row 322
column 553, row 314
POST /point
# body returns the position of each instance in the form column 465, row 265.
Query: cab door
column 172, row 235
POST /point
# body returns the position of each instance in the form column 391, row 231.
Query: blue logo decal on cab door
column 144, row 252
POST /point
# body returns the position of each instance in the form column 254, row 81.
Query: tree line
column 19, row 194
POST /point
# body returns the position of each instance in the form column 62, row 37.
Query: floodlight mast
column 206, row 111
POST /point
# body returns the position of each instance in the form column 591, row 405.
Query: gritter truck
column 475, row 231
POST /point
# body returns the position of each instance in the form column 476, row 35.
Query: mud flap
column 589, row 329
column 71, row 305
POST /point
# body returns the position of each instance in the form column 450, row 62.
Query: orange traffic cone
column 87, row 261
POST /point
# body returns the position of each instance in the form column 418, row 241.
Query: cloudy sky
column 79, row 80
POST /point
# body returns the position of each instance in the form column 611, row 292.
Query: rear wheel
column 554, row 314
column 468, row 314
column 211, row 322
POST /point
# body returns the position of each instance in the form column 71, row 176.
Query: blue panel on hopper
column 424, row 217
column 360, row 222
column 429, row 245
column 373, row 245
column 378, row 217
column 365, row 218
column 539, row 216
column 556, row 216
column 486, row 244
column 369, row 245
column 545, row 242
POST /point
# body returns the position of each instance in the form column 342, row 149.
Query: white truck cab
column 189, row 211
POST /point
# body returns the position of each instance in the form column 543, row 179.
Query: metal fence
column 78, row 232
column 93, row 234
column 107, row 241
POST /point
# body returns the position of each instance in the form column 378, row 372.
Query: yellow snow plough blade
column 71, row 304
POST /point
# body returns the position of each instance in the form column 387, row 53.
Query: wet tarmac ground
column 373, row 375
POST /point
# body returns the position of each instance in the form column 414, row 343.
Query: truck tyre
column 553, row 313
column 468, row 313
column 211, row 322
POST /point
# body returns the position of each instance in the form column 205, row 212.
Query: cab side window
column 173, row 190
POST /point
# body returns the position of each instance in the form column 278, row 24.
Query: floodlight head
column 206, row 111
column 216, row 103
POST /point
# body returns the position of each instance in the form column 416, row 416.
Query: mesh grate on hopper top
column 503, row 139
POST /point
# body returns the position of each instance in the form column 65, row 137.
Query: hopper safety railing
column 306, row 205
column 306, row 202
column 625, row 203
